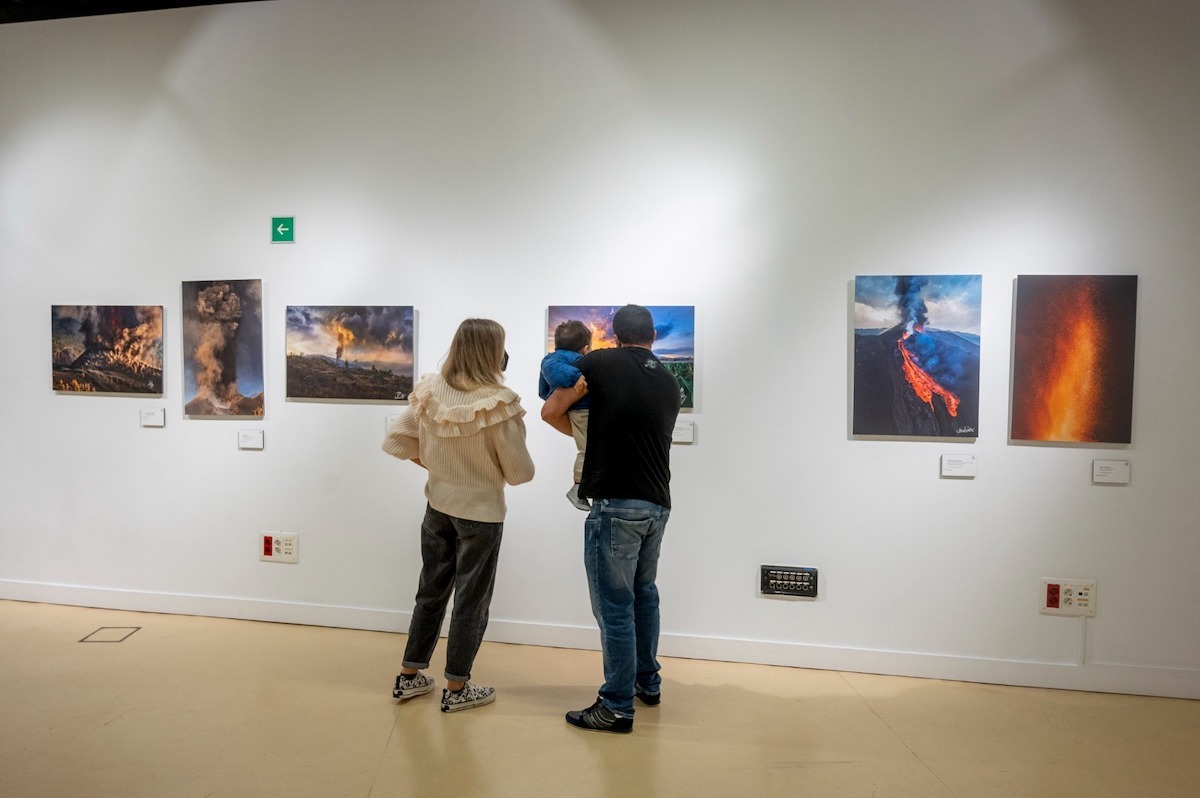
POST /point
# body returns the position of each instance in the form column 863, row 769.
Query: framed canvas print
column 343, row 352
column 107, row 348
column 674, row 344
column 223, row 348
column 916, row 355
column 1073, row 340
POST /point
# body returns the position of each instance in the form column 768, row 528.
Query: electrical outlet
column 788, row 580
column 1069, row 597
column 278, row 547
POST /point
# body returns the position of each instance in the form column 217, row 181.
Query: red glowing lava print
column 916, row 355
column 1073, row 359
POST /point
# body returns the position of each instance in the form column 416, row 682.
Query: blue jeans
column 622, row 538
column 458, row 555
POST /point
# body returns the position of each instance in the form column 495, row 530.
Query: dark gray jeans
column 458, row 555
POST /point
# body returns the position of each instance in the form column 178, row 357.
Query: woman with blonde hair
column 466, row 429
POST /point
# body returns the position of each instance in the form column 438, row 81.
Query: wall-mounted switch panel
column 788, row 580
column 1069, row 597
column 278, row 547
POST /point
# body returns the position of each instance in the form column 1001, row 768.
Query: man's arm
column 554, row 410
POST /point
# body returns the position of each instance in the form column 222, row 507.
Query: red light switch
column 1052, row 596
column 268, row 542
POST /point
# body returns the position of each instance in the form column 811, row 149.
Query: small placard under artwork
column 154, row 417
column 251, row 439
column 684, row 432
column 958, row 465
column 1110, row 472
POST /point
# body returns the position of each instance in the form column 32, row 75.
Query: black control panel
column 788, row 580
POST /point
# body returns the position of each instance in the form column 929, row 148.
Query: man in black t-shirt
column 627, row 475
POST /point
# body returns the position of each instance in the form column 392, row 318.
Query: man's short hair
column 572, row 335
column 633, row 325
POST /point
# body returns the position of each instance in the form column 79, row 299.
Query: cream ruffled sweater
column 472, row 442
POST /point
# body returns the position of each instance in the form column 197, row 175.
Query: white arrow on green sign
column 283, row 229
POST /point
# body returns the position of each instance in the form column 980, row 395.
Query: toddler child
column 572, row 340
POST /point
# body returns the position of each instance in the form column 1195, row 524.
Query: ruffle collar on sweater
column 452, row 413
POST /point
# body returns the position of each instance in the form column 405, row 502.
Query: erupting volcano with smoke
column 675, row 337
column 357, row 352
column 916, row 355
column 107, row 348
column 1073, row 358
column 222, row 343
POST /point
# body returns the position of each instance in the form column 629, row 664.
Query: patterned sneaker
column 471, row 696
column 598, row 717
column 411, row 686
column 646, row 697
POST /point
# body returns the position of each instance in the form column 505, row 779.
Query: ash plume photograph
column 106, row 348
column 674, row 343
column 916, row 355
column 354, row 352
column 1073, row 339
column 223, row 348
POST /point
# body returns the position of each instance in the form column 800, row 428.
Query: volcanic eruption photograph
column 674, row 343
column 1073, row 342
column 106, row 348
column 349, row 352
column 916, row 355
column 223, row 348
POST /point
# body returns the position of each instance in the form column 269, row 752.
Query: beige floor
column 209, row 707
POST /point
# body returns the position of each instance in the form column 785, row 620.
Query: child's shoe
column 577, row 500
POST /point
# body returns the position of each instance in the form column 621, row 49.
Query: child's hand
column 580, row 386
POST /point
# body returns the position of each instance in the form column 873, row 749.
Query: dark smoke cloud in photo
column 349, row 352
column 223, row 348
column 107, row 348
column 916, row 355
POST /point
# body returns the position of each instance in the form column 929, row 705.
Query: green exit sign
column 283, row 229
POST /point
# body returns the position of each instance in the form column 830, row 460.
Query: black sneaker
column 598, row 717
column 646, row 697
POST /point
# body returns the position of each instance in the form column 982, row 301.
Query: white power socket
column 1069, row 597
column 279, row 547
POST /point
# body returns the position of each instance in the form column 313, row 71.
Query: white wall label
column 389, row 421
column 958, row 465
column 1111, row 472
column 251, row 439
column 684, row 432
column 154, row 417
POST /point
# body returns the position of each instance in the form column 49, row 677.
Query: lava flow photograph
column 223, row 348
column 916, row 355
column 1073, row 340
column 107, row 348
column 358, row 352
column 674, row 342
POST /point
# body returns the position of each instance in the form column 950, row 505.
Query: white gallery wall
column 495, row 158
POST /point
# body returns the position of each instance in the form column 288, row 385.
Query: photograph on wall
column 1073, row 342
column 916, row 355
column 674, row 344
column 107, row 348
column 222, row 348
column 363, row 352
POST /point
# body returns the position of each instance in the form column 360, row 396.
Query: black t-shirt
column 634, row 404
